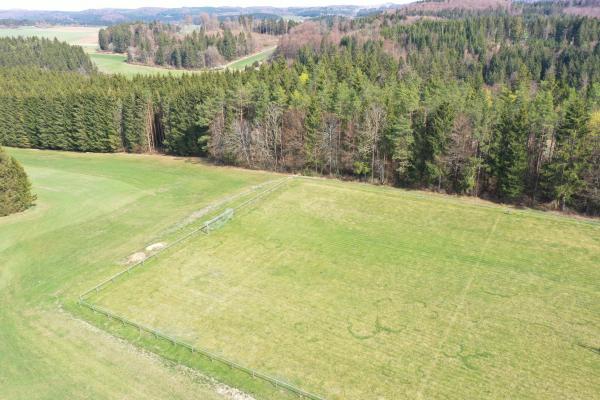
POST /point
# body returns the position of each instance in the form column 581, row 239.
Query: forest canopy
column 498, row 106
column 43, row 53
column 211, row 45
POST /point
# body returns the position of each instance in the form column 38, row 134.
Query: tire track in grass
column 463, row 296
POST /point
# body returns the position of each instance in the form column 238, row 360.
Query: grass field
column 258, row 57
column 347, row 290
column 358, row 292
column 76, row 35
column 91, row 211
column 115, row 64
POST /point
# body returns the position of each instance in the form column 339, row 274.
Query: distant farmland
column 355, row 292
column 111, row 63
column 86, row 37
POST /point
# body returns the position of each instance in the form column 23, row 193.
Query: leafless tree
column 373, row 129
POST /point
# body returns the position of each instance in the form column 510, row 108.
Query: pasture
column 112, row 63
column 92, row 209
column 346, row 290
column 84, row 36
column 251, row 59
column 358, row 292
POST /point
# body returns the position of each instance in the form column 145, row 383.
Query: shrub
column 15, row 188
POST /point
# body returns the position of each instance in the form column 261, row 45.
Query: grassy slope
column 245, row 61
column 115, row 64
column 358, row 292
column 81, row 36
column 91, row 211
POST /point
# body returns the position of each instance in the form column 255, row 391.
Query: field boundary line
column 278, row 383
column 203, row 228
column 463, row 200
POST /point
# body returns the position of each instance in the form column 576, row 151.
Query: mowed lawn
column 92, row 210
column 358, row 292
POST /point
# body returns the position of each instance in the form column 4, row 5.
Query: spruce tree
column 563, row 175
column 508, row 158
column 15, row 189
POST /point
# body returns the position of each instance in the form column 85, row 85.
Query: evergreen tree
column 564, row 172
column 508, row 158
column 15, row 189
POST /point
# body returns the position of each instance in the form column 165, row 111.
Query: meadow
column 87, row 37
column 357, row 292
column 112, row 63
column 92, row 209
column 249, row 60
column 346, row 290
column 109, row 63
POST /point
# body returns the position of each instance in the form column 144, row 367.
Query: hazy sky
column 85, row 4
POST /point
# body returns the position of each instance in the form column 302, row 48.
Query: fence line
column 201, row 229
column 278, row 383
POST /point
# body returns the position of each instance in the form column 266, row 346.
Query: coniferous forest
column 43, row 53
column 499, row 106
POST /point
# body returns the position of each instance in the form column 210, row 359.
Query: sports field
column 92, row 209
column 346, row 290
column 357, row 292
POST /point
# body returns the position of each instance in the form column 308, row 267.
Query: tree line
column 43, row 53
column 351, row 107
column 164, row 44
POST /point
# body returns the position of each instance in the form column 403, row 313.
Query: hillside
column 208, row 45
column 109, row 16
column 495, row 106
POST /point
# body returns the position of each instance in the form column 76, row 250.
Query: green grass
column 116, row 64
column 92, row 210
column 81, row 35
column 359, row 292
column 347, row 290
column 258, row 57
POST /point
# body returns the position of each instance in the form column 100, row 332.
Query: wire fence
column 204, row 228
column 278, row 383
